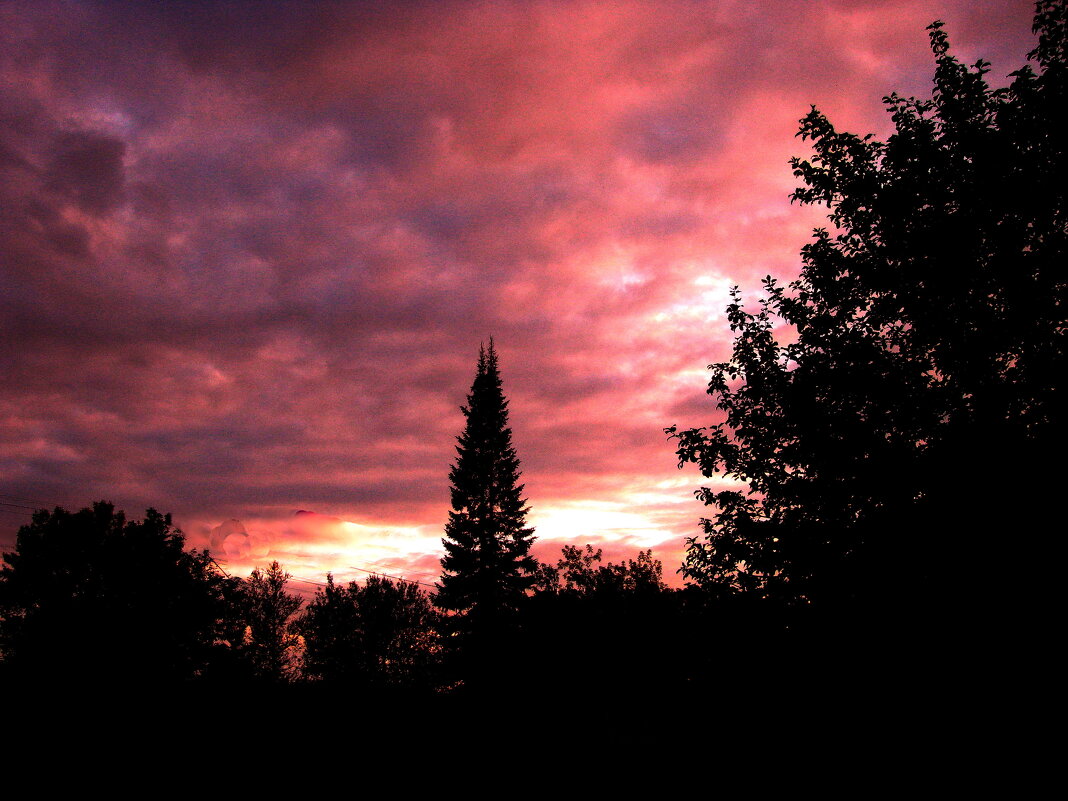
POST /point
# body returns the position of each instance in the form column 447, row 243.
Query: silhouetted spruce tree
column 487, row 567
column 928, row 367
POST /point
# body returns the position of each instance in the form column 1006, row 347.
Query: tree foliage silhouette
column 487, row 567
column 580, row 573
column 381, row 633
column 268, row 640
column 90, row 596
column 929, row 353
column 616, row 621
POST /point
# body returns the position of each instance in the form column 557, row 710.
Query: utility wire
column 353, row 567
column 410, row 572
column 39, row 504
column 18, row 506
column 387, row 575
column 23, row 515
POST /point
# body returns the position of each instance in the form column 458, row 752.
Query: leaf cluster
column 579, row 573
column 928, row 330
column 265, row 612
column 96, row 597
column 380, row 633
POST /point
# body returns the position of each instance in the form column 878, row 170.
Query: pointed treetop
column 487, row 358
column 487, row 566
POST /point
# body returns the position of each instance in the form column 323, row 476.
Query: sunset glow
column 248, row 252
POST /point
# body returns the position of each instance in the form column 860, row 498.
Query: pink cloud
column 248, row 254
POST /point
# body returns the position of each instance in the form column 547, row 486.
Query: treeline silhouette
column 891, row 462
column 93, row 599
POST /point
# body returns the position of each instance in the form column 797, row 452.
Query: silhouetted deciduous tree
column 380, row 633
column 92, row 597
column 581, row 573
column 615, row 621
column 928, row 366
column 267, row 640
column 487, row 568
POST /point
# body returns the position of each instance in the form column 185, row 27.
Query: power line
column 353, row 567
column 39, row 504
column 16, row 512
column 308, row 581
column 18, row 506
column 398, row 578
column 410, row 572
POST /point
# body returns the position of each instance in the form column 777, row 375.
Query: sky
column 248, row 251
